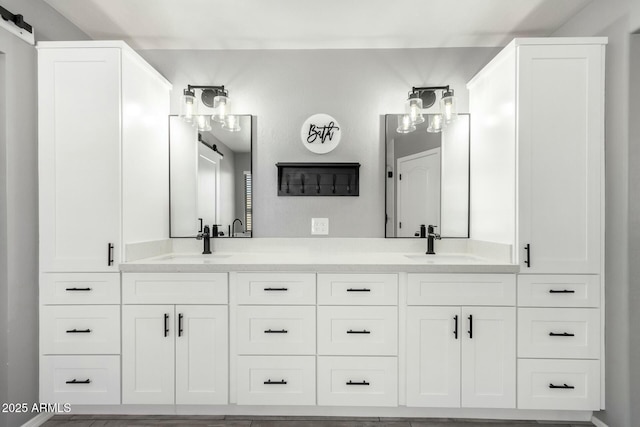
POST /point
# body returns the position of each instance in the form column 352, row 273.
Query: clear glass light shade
column 188, row 107
column 435, row 123
column 221, row 106
column 448, row 107
column 413, row 108
column 204, row 122
column 404, row 124
column 231, row 123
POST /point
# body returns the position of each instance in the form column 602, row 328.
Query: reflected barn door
column 418, row 192
column 207, row 189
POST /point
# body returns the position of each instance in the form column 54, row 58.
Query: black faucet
column 431, row 235
column 207, row 239
column 233, row 226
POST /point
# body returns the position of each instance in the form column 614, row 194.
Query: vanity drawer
column 72, row 329
column 559, row 384
column 461, row 289
column 276, row 288
column 174, row 288
column 276, row 380
column 571, row 333
column 358, row 289
column 360, row 331
column 358, row 381
column 559, row 290
column 276, row 330
column 80, row 288
column 80, row 380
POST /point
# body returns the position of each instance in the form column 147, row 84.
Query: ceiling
column 238, row 142
column 316, row 24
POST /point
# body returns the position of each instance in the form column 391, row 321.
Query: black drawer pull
column 358, row 290
column 110, row 254
column 269, row 382
column 75, row 381
column 355, row 383
column 563, row 291
column 77, row 289
column 563, row 334
column 470, row 331
column 364, row 331
column 180, row 330
column 79, row 331
column 455, row 330
column 564, row 386
column 166, row 325
column 528, row 260
column 281, row 331
column 276, row 289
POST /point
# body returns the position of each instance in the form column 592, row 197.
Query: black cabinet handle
column 281, row 331
column 79, row 331
column 77, row 289
column 166, row 325
column 470, row 326
column 276, row 289
column 528, row 260
column 269, row 382
column 455, row 329
column 356, row 383
column 75, row 381
column 561, row 386
column 358, row 290
column 364, row 331
column 180, row 317
column 110, row 254
column 563, row 291
column 200, row 219
column 563, row 334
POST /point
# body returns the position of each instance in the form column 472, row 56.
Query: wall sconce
column 216, row 97
column 424, row 97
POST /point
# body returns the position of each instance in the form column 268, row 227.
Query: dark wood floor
column 247, row 421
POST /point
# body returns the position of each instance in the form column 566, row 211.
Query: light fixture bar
column 426, row 88
column 220, row 89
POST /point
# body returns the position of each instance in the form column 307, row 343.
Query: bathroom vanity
column 507, row 324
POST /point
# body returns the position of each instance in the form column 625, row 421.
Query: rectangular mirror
column 427, row 178
column 210, row 178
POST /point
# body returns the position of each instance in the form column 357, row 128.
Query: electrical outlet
column 319, row 225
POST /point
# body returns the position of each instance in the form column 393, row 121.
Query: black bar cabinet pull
column 78, row 289
column 358, row 290
column 563, row 334
column 110, row 254
column 561, row 386
column 455, row 330
column 275, row 382
column 180, row 317
column 528, row 260
column 79, row 331
column 470, row 326
column 166, row 325
column 563, row 291
column 281, row 331
column 364, row 331
column 356, row 383
column 276, row 289
column 75, row 381
column 200, row 219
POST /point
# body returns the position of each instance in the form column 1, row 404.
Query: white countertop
column 374, row 262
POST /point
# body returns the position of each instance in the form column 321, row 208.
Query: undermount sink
column 192, row 257
column 442, row 259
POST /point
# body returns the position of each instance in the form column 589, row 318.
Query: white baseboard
column 38, row 420
column 597, row 422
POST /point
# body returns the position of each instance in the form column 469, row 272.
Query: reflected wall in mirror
column 210, row 178
column 427, row 178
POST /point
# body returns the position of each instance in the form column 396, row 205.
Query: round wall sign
column 320, row 133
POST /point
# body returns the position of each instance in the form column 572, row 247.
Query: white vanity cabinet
column 461, row 355
column 174, row 351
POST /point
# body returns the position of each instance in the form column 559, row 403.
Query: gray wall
column 283, row 87
column 19, row 205
column 611, row 19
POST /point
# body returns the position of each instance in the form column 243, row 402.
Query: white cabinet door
column 201, row 355
column 148, row 354
column 79, row 159
column 488, row 357
column 434, row 335
column 560, row 140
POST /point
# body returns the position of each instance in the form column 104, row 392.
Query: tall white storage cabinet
column 103, row 169
column 538, row 111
